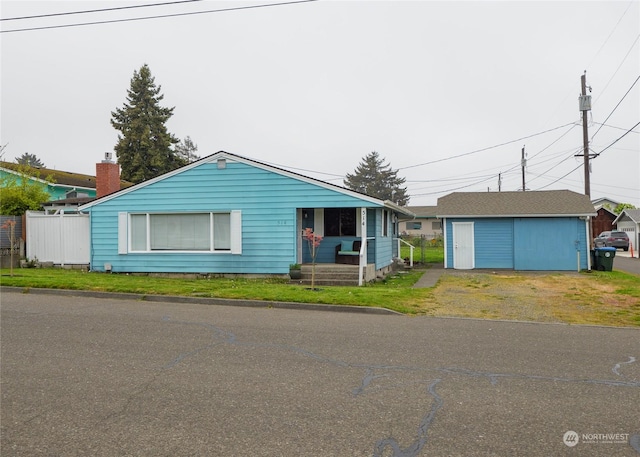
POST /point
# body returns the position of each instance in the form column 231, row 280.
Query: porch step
column 329, row 275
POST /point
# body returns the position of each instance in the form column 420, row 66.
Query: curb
column 203, row 301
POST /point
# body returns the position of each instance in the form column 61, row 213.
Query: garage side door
column 545, row 244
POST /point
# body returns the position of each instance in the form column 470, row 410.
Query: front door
column 463, row 248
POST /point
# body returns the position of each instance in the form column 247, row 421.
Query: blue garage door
column 545, row 244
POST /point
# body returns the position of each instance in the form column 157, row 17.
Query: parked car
column 612, row 239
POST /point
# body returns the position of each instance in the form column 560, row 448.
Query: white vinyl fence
column 59, row 238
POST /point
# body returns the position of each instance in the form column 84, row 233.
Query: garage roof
column 550, row 203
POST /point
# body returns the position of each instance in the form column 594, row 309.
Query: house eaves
column 229, row 157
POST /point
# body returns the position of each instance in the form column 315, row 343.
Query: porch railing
column 363, row 258
column 411, row 248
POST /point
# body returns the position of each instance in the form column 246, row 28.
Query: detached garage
column 544, row 230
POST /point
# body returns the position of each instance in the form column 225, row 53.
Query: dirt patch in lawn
column 564, row 297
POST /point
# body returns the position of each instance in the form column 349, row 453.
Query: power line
column 539, row 175
column 451, row 190
column 69, row 13
column 161, row 16
column 614, row 127
column 616, row 107
column 485, row 149
column 618, row 139
column 561, row 177
column 615, row 27
column 619, row 66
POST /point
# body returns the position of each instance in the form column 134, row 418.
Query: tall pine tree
column 144, row 146
column 375, row 178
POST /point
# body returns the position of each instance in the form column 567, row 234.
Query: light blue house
column 541, row 230
column 227, row 214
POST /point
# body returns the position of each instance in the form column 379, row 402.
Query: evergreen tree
column 30, row 160
column 144, row 146
column 375, row 178
column 186, row 150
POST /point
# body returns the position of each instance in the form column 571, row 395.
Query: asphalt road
column 106, row 377
column 622, row 262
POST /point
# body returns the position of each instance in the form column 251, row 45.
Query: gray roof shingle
column 519, row 204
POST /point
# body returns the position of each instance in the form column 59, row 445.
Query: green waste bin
column 604, row 258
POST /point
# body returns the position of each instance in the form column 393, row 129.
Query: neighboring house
column 603, row 222
column 629, row 221
column 106, row 181
column 60, row 234
column 67, row 190
column 227, row 214
column 606, row 203
column 63, row 183
column 542, row 230
column 425, row 224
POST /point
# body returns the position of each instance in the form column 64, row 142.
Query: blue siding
column 383, row 246
column 494, row 243
column 549, row 244
column 525, row 243
column 268, row 202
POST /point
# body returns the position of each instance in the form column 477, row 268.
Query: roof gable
column 224, row 157
column 552, row 203
column 632, row 214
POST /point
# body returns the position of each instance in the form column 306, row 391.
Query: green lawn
column 394, row 293
column 605, row 298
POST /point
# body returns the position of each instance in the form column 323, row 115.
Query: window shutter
column 122, row 233
column 236, row 232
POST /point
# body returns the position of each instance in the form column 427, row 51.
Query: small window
column 414, row 225
column 385, row 222
column 436, row 225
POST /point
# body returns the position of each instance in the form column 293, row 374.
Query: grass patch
column 394, row 293
column 423, row 254
column 599, row 298
column 602, row 298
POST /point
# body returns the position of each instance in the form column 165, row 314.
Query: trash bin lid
column 605, row 249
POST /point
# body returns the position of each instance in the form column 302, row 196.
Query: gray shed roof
column 552, row 203
column 632, row 214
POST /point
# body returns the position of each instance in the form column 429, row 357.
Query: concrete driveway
column 105, row 377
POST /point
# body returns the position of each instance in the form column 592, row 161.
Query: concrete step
column 329, row 275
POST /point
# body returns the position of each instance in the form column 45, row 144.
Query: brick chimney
column 107, row 176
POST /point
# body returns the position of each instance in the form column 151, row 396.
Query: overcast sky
column 447, row 92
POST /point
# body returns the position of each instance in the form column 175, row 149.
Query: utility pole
column 585, row 106
column 523, row 162
column 500, row 182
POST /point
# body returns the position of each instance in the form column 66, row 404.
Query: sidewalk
column 430, row 277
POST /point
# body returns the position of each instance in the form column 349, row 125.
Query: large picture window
column 340, row 222
column 181, row 232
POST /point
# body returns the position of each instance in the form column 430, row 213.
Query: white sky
column 314, row 87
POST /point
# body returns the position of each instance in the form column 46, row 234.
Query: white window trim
column 125, row 237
